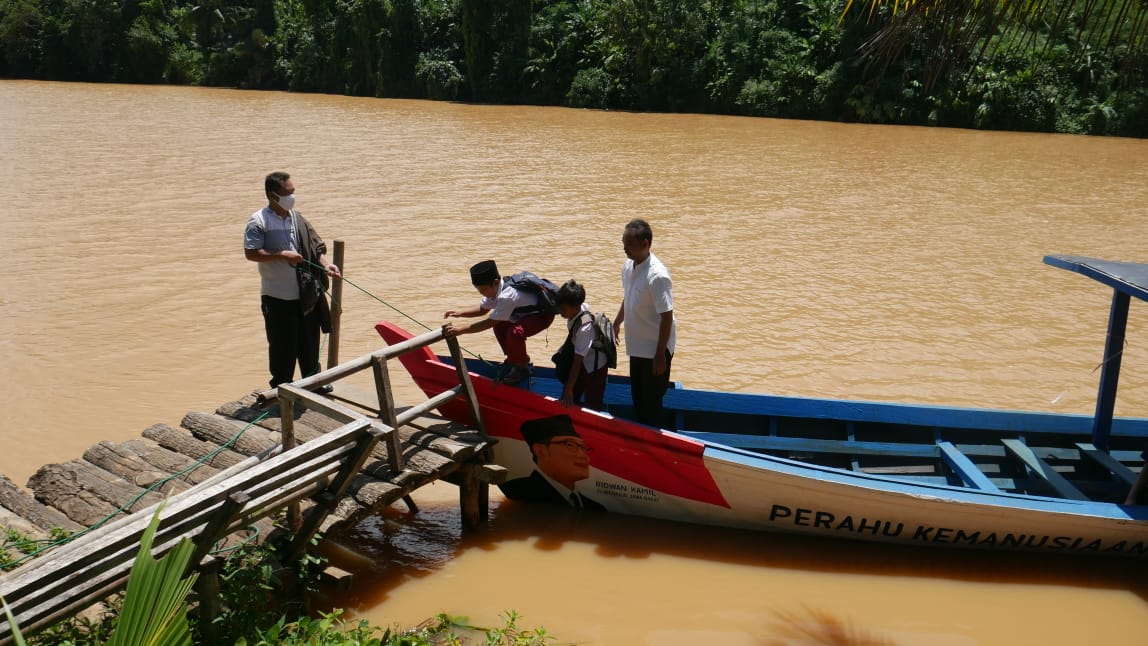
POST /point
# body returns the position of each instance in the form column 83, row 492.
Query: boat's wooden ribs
column 1106, row 460
column 964, row 467
column 1042, row 470
column 984, row 467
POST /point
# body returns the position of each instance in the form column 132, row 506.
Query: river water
column 817, row 259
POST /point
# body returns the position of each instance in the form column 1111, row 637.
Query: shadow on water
column 393, row 548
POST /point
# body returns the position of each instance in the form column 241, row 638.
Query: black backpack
column 604, row 339
column 604, row 342
column 545, row 290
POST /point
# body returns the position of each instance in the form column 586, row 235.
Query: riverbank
column 730, row 57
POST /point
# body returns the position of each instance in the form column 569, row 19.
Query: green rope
column 49, row 544
column 404, row 314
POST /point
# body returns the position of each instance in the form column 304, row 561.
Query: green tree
column 21, row 35
column 148, row 43
column 496, row 39
column 949, row 35
column 400, row 50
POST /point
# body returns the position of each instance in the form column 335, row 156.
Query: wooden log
column 429, row 431
column 373, row 494
column 243, row 438
column 246, row 410
column 369, row 491
column 440, row 450
column 435, row 441
column 336, row 578
column 185, row 443
column 11, row 522
column 123, row 461
column 58, row 489
column 346, row 511
column 492, row 474
column 97, row 564
column 419, row 463
column 429, row 436
column 330, row 498
column 14, row 526
column 86, row 493
column 433, row 423
column 191, row 471
column 27, row 507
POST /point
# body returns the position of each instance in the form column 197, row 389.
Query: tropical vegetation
column 261, row 605
column 1067, row 66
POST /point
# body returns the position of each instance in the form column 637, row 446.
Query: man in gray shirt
column 293, row 272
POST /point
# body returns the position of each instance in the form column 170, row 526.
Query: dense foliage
column 780, row 58
column 257, row 598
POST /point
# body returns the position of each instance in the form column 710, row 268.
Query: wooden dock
column 329, row 461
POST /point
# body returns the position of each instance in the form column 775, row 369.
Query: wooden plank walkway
column 330, row 461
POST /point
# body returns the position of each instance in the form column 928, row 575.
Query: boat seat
column 964, row 468
column 1106, row 460
column 1043, row 470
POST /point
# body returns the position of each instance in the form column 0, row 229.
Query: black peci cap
column 484, row 273
column 542, row 430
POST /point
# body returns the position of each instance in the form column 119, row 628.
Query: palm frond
column 155, row 605
column 950, row 35
column 17, row 636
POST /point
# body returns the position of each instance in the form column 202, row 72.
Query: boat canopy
column 1127, row 279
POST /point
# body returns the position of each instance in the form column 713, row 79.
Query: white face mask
column 286, row 202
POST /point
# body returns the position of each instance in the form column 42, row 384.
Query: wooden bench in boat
column 1108, row 461
column 1043, row 470
column 964, row 468
column 956, row 457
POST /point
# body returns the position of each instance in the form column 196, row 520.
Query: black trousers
column 291, row 338
column 647, row 389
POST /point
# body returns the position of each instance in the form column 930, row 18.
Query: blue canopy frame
column 1127, row 279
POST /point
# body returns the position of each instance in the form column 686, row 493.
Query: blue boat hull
column 911, row 474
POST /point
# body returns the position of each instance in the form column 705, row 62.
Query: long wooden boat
column 902, row 473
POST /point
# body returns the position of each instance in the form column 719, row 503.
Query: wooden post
column 469, row 496
column 387, row 410
column 1110, row 374
column 336, row 309
column 287, row 432
column 214, row 529
column 467, row 386
column 328, row 498
column 207, row 589
column 484, row 502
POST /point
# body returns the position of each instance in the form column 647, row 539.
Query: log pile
column 113, row 478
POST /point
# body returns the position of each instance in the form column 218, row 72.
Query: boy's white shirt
column 508, row 299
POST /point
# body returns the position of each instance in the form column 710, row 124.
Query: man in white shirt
column 647, row 310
